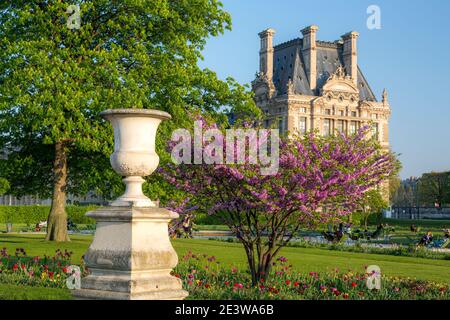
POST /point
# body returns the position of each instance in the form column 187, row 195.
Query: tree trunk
column 57, row 219
column 249, row 251
column 265, row 263
column 260, row 265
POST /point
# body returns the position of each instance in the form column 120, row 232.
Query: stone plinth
column 131, row 256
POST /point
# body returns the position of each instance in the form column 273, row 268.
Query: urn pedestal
column 131, row 256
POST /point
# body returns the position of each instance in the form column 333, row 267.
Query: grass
column 15, row 292
column 229, row 254
column 232, row 254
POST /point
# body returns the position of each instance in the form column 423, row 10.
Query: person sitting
column 446, row 233
column 426, row 239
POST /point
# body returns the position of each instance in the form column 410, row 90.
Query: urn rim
column 136, row 112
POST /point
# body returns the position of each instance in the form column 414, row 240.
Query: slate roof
column 289, row 64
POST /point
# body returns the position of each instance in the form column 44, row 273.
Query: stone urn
column 134, row 154
column 131, row 256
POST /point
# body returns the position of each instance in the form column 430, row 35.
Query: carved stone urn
column 131, row 256
column 134, row 150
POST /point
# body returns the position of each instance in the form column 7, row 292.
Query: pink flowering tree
column 319, row 180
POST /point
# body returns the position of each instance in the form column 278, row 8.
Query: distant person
column 426, row 239
column 446, row 233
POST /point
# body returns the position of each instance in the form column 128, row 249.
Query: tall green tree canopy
column 434, row 189
column 371, row 204
column 55, row 79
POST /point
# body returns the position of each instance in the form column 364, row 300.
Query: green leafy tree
column 434, row 188
column 55, row 77
column 394, row 187
column 371, row 203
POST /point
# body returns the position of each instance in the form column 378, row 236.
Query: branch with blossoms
column 319, row 179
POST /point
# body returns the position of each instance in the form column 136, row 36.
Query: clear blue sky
column 409, row 55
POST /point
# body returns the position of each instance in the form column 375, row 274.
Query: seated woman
column 426, row 239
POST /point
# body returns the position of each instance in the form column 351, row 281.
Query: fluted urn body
column 134, row 154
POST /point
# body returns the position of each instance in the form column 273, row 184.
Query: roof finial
column 385, row 96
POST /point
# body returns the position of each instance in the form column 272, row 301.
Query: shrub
column 206, row 219
column 31, row 215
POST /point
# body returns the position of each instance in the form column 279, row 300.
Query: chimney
column 266, row 53
column 350, row 55
column 310, row 54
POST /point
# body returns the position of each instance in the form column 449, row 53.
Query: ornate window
column 327, row 127
column 302, row 125
column 340, row 126
column 353, row 127
column 375, row 131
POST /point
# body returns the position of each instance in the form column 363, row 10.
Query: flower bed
column 20, row 269
column 205, row 278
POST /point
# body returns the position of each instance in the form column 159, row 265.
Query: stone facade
column 306, row 84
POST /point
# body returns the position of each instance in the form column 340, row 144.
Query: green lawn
column 229, row 254
column 303, row 259
column 12, row 292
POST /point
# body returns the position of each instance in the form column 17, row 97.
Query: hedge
column 205, row 219
column 31, row 215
